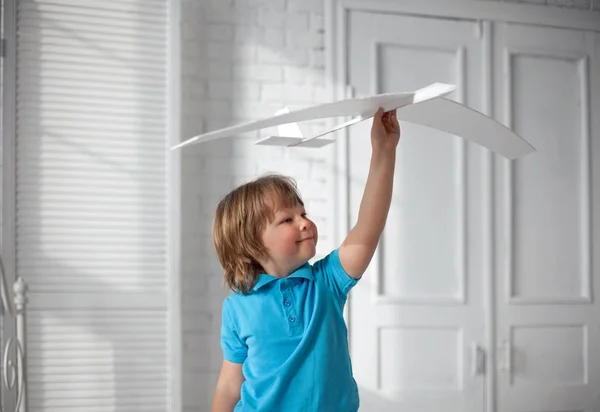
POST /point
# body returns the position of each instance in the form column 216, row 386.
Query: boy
column 283, row 334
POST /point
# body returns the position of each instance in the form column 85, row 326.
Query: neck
column 279, row 271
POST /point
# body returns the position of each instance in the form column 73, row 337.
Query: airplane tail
column 289, row 129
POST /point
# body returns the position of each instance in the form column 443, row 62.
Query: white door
column 547, row 82
column 416, row 318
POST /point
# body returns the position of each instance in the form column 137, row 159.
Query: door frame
column 8, row 194
column 175, row 191
column 336, row 74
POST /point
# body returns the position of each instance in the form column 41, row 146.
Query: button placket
column 290, row 314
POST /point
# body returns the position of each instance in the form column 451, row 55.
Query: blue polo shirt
column 291, row 337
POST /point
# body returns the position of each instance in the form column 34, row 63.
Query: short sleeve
column 330, row 270
column 234, row 348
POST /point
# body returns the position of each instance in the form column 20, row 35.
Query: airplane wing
column 361, row 106
column 426, row 106
column 457, row 119
column 441, row 114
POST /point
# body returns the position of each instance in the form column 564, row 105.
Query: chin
column 308, row 255
column 309, row 252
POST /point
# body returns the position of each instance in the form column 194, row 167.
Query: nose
column 304, row 223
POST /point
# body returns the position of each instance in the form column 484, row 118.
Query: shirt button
column 283, row 286
column 292, row 319
column 287, row 303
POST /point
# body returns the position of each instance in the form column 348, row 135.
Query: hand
column 385, row 132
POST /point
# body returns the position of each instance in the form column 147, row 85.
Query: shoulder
column 235, row 308
column 330, row 271
column 329, row 262
column 235, row 299
column 238, row 302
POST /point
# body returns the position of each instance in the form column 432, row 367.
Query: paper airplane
column 426, row 106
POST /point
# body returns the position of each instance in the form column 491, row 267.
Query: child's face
column 290, row 239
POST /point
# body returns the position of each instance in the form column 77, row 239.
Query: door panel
column 547, row 86
column 416, row 318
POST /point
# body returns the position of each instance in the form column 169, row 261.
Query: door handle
column 505, row 360
column 477, row 360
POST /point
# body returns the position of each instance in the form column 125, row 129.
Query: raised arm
column 359, row 246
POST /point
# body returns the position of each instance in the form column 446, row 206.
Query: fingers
column 395, row 120
column 388, row 119
column 391, row 122
column 389, row 115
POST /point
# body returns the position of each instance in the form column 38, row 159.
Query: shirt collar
column 304, row 271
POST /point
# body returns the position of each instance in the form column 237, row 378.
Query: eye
column 287, row 220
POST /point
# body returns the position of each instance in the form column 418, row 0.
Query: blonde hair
column 239, row 222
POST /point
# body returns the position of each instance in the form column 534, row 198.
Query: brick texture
column 242, row 60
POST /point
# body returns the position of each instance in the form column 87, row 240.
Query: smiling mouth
column 302, row 240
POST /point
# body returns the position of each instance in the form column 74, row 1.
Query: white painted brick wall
column 242, row 60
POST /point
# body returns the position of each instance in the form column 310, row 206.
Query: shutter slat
column 50, row 33
column 94, row 141
column 106, row 237
column 126, row 33
column 139, row 177
column 86, row 81
column 111, row 156
column 114, row 223
column 109, row 4
column 69, row 75
column 136, row 274
column 91, row 218
column 107, row 15
column 63, row 39
column 138, row 57
column 47, row 347
column 121, row 408
column 97, row 183
column 99, row 93
column 156, row 386
column 117, row 73
column 69, row 102
column 115, row 212
column 32, row 58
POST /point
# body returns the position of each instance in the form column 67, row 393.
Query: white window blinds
column 91, row 202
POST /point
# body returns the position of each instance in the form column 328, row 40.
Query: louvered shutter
column 92, row 202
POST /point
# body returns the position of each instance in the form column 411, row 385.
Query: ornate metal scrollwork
column 14, row 369
column 14, row 377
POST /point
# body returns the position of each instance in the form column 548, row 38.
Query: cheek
column 315, row 231
column 272, row 239
column 287, row 238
